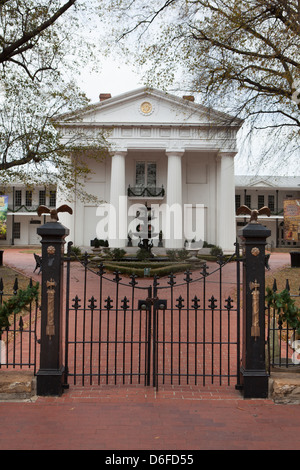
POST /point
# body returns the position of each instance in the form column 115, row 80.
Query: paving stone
column 16, row 385
column 285, row 387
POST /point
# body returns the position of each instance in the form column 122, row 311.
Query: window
column 237, row 201
column 42, row 198
column 145, row 174
column 271, row 202
column 17, row 230
column 28, row 199
column 52, row 199
column 248, row 200
column 260, row 201
column 18, row 197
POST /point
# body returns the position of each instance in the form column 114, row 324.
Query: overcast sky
column 114, row 77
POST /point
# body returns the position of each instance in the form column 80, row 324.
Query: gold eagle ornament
column 54, row 212
column 254, row 213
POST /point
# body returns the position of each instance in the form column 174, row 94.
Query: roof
column 116, row 108
column 275, row 182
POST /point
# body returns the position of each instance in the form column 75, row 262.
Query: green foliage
column 98, row 243
column 115, row 253
column 31, row 148
column 208, row 245
column 181, row 254
column 284, row 307
column 174, row 255
column 138, row 269
column 171, row 254
column 16, row 304
column 143, row 254
column 39, row 50
column 216, row 251
column 76, row 250
column 107, row 252
column 38, row 36
column 118, row 253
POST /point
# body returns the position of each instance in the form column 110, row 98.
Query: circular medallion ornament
column 51, row 250
column 146, row 108
column 255, row 251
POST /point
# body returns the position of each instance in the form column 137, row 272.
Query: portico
column 167, row 152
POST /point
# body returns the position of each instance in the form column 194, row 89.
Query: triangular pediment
column 148, row 106
column 262, row 183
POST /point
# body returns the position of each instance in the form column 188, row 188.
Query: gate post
column 51, row 372
column 254, row 377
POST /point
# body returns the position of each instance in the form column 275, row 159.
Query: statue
column 54, row 212
column 254, row 213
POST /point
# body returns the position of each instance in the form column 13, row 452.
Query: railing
column 148, row 191
column 282, row 337
column 18, row 341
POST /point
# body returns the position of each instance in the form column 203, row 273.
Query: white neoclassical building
column 168, row 153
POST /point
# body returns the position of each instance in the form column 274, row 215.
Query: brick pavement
column 139, row 418
column 136, row 420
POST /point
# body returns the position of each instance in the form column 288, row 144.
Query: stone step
column 285, row 387
column 17, row 385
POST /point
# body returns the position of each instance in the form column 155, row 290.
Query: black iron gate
column 182, row 329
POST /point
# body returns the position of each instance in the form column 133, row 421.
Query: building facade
column 168, row 154
column 22, row 219
column 168, row 179
column 273, row 192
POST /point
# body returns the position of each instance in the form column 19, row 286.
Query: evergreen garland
column 16, row 304
column 286, row 309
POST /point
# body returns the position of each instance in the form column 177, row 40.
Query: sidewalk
column 140, row 419
column 137, row 418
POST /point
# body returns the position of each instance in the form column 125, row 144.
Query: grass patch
column 8, row 276
column 281, row 276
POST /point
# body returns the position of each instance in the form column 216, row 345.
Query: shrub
column 216, row 251
column 171, row 254
column 143, row 254
column 139, row 272
column 76, row 250
column 108, row 253
column 208, row 245
column 174, row 255
column 98, row 243
column 118, row 253
column 16, row 304
column 182, row 254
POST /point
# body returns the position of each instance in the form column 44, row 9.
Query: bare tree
column 241, row 56
column 27, row 34
column 39, row 45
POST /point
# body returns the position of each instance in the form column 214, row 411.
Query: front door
column 34, row 238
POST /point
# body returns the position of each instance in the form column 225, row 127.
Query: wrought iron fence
column 176, row 330
column 282, row 347
column 19, row 346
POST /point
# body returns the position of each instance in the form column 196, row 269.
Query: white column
column 173, row 233
column 118, row 202
column 226, row 224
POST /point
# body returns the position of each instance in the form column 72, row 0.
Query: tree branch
column 23, row 43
